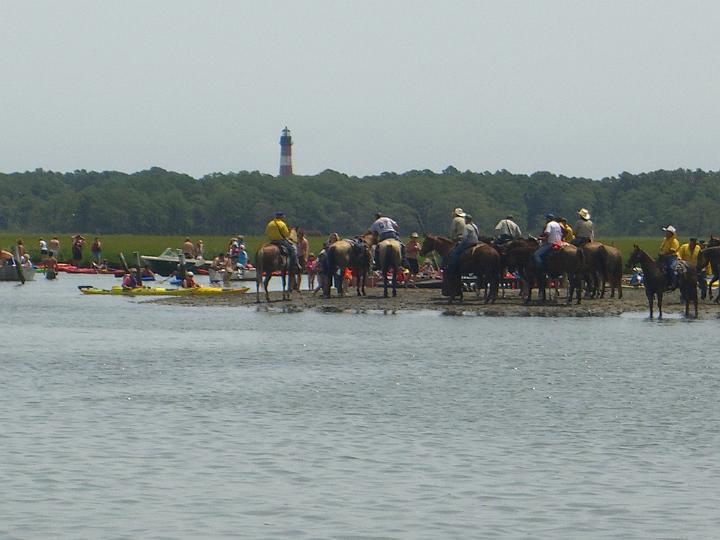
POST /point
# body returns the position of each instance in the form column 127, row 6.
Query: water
column 122, row 418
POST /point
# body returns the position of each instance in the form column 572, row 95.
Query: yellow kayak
column 160, row 291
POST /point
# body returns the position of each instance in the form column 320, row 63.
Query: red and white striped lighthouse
column 286, row 153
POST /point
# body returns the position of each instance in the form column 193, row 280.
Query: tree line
column 157, row 201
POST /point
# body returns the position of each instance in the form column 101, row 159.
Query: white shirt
column 43, row 245
column 382, row 225
column 554, row 232
column 508, row 227
column 471, row 233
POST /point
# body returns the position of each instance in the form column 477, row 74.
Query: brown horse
column 612, row 268
column 594, row 256
column 711, row 256
column 269, row 259
column 389, row 258
column 655, row 281
column 353, row 254
column 482, row 259
column 566, row 260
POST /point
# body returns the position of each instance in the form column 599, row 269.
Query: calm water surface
column 125, row 419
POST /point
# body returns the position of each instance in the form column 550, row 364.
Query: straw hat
column 459, row 212
column 670, row 229
column 583, row 213
column 414, row 235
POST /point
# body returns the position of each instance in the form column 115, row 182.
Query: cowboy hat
column 669, row 228
column 414, row 235
column 583, row 213
column 459, row 212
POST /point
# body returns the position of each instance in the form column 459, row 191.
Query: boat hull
column 9, row 273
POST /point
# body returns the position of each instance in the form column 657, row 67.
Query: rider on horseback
column 384, row 228
column 279, row 234
column 471, row 236
column 552, row 235
column 584, row 229
column 506, row 230
column 669, row 255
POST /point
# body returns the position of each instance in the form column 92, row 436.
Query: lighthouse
column 286, row 153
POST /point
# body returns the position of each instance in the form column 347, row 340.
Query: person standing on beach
column 54, row 247
column 303, row 247
column 96, row 251
column 43, row 249
column 78, row 241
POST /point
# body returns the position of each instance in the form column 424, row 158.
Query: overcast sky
column 586, row 88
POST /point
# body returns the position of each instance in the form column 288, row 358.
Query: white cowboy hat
column 414, row 235
column 669, row 228
column 583, row 213
column 459, row 212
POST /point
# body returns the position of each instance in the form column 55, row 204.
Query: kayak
column 160, row 291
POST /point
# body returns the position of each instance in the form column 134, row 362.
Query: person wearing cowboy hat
column 506, row 230
column 278, row 233
column 669, row 254
column 584, row 228
column 457, row 228
column 412, row 250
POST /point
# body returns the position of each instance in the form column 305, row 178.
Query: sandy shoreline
column 633, row 300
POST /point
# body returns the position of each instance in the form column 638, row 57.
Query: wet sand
column 634, row 300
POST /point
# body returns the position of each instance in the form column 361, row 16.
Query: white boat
column 241, row 274
column 166, row 263
column 10, row 273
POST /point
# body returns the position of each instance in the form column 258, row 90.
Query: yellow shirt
column 685, row 254
column 277, row 230
column 568, row 234
column 670, row 246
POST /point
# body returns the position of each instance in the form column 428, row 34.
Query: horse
column 389, row 257
column 713, row 242
column 482, row 259
column 594, row 268
column 655, row 281
column 269, row 259
column 519, row 254
column 711, row 256
column 612, row 266
column 353, row 254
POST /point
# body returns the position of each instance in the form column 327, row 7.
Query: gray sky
column 587, row 88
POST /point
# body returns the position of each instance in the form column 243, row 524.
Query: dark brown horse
column 353, row 254
column 655, row 281
column 482, row 259
column 269, row 259
column 389, row 259
column 593, row 255
column 711, row 256
column 567, row 260
column 612, row 269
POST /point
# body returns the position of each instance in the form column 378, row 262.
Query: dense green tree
column 166, row 202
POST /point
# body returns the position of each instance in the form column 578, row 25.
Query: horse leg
column 659, row 298
column 385, row 284
column 651, row 300
column 265, row 286
column 394, row 282
column 258, row 278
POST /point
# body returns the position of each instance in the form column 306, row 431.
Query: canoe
column 161, row 291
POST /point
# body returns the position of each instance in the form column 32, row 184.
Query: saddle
column 282, row 247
